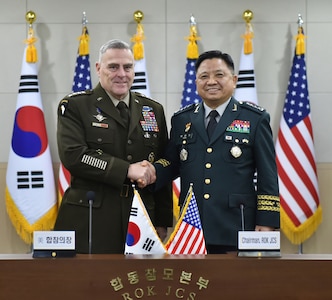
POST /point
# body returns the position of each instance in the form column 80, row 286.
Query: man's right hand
column 143, row 173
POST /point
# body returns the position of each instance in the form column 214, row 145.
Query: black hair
column 215, row 54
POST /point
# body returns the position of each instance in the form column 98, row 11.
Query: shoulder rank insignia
column 187, row 108
column 86, row 92
column 140, row 95
column 252, row 106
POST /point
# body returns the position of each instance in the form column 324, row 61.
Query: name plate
column 53, row 243
column 259, row 243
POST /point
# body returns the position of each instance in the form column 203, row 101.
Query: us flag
column 299, row 195
column 189, row 96
column 81, row 82
column 189, row 93
column 188, row 237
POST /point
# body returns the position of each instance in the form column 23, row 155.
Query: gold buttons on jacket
column 209, row 150
column 208, row 165
column 129, row 157
column 207, row 180
column 206, row 196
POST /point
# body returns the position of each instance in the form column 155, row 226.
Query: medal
column 149, row 123
column 183, row 154
column 99, row 116
column 188, row 125
column 236, row 151
column 151, row 157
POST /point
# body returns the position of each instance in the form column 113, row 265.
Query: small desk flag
column 142, row 238
column 188, row 237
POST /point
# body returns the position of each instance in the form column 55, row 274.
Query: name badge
column 259, row 243
column 53, row 243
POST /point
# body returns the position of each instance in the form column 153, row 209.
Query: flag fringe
column 300, row 43
column 137, row 39
column 248, row 36
column 192, row 48
column 176, row 208
column 31, row 55
column 83, row 48
column 298, row 235
column 23, row 228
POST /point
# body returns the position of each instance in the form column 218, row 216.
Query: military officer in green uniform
column 221, row 166
column 101, row 149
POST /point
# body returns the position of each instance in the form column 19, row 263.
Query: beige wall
column 166, row 23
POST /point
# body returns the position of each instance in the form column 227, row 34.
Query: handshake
column 143, row 173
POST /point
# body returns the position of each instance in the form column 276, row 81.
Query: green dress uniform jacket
column 222, row 169
column 96, row 148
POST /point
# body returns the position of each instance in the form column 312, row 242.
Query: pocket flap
column 248, row 200
column 79, row 197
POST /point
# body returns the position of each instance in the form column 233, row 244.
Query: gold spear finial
column 31, row 51
column 248, row 36
column 248, row 15
column 138, row 16
column 30, row 16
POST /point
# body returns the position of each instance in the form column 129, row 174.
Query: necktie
column 123, row 109
column 212, row 123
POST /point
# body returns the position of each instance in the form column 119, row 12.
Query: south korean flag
column 142, row 237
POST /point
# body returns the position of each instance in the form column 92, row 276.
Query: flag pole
column 300, row 50
column 187, row 198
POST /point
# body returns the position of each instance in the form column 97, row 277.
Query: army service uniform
column 222, row 169
column 96, row 148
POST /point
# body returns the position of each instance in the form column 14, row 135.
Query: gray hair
column 113, row 44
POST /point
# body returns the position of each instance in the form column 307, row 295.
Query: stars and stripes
column 81, row 82
column 189, row 93
column 299, row 195
column 187, row 237
column 189, row 96
column 82, row 77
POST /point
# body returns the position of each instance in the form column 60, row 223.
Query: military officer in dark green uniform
column 221, row 166
column 101, row 149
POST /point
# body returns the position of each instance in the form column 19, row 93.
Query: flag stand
column 300, row 249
